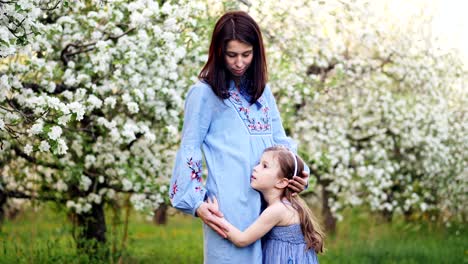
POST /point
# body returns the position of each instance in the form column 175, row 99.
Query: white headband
column 295, row 163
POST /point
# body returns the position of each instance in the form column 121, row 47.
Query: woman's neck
column 237, row 81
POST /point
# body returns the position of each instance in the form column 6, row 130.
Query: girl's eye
column 264, row 166
column 245, row 55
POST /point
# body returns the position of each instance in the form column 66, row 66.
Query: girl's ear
column 282, row 183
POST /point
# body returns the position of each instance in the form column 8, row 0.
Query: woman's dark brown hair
column 235, row 25
column 312, row 231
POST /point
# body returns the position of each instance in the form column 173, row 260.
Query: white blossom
column 85, row 182
column 110, row 101
column 44, row 146
column 133, row 107
column 28, row 149
column 61, row 147
column 126, row 184
column 61, row 186
column 55, row 132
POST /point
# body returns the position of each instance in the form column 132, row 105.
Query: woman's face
column 238, row 57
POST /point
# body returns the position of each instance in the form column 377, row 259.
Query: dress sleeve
column 279, row 135
column 187, row 191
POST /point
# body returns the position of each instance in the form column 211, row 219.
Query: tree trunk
column 387, row 216
column 91, row 238
column 3, row 199
column 329, row 220
column 160, row 215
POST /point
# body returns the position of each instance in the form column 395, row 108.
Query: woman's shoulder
column 267, row 92
column 201, row 89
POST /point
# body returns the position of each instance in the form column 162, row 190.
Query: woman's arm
column 269, row 218
column 187, row 191
column 298, row 183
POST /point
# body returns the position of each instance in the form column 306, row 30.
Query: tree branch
column 31, row 159
column 51, row 8
column 245, row 2
column 58, row 89
column 21, row 195
column 73, row 49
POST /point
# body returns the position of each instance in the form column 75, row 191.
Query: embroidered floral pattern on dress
column 196, row 170
column 255, row 125
column 196, row 167
column 174, row 190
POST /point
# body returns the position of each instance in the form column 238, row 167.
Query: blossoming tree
column 91, row 96
column 379, row 111
column 90, row 101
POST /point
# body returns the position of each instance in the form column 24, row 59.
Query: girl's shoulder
column 279, row 208
column 288, row 213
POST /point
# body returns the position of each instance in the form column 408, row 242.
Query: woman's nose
column 239, row 62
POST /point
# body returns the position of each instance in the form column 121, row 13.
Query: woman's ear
column 282, row 183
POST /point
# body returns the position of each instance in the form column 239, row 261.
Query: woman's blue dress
column 286, row 245
column 232, row 135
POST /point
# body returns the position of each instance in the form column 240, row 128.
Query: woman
column 231, row 114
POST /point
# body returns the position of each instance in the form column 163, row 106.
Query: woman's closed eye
column 233, row 55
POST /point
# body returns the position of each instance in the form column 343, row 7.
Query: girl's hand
column 209, row 213
column 298, row 184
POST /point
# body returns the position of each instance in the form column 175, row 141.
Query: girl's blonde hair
column 312, row 231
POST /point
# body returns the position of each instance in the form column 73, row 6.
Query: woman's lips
column 238, row 71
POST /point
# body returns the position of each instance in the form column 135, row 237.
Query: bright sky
column 451, row 23
column 449, row 26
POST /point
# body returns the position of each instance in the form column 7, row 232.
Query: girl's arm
column 270, row 217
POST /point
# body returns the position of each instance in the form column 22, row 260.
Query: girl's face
column 238, row 57
column 265, row 174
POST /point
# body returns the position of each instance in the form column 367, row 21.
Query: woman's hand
column 209, row 213
column 298, row 183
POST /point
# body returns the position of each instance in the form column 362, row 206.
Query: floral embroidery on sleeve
column 174, row 190
column 196, row 167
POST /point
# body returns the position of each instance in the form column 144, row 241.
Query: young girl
column 292, row 234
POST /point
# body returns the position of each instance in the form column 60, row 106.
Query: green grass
column 45, row 237
column 367, row 239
